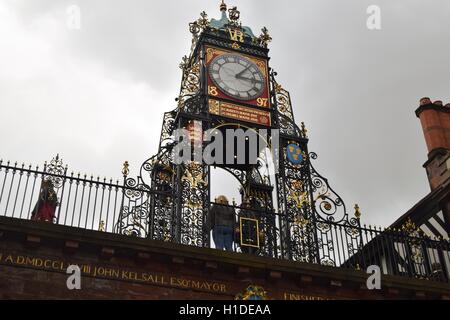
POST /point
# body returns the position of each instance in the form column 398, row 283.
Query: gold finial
column 203, row 21
column 265, row 37
column 409, row 226
column 184, row 63
column 357, row 211
column 101, row 227
column 223, row 6
column 126, row 170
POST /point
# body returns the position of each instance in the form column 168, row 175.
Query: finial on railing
column 304, row 130
column 357, row 211
column 409, row 227
column 101, row 227
column 126, row 169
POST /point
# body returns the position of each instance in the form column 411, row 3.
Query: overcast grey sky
column 97, row 95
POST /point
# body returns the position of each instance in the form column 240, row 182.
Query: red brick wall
column 34, row 257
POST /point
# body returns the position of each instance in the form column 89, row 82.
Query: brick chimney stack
column 435, row 120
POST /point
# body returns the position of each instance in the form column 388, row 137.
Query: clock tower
column 230, row 99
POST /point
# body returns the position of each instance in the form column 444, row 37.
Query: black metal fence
column 82, row 201
column 402, row 252
column 97, row 204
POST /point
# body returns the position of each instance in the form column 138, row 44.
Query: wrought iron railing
column 82, row 201
column 401, row 252
column 99, row 204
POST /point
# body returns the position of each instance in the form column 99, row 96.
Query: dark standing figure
column 221, row 222
column 45, row 208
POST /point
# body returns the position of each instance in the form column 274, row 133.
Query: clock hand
column 243, row 71
column 248, row 79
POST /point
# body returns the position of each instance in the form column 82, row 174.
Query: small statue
column 45, row 208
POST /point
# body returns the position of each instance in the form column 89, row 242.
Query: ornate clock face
column 237, row 76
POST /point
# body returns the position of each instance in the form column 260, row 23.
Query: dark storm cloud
column 98, row 95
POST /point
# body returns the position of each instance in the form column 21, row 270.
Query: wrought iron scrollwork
column 193, row 106
column 285, row 114
column 194, row 204
column 147, row 206
column 56, row 170
column 190, row 84
column 167, row 129
column 331, row 215
column 327, row 203
column 298, row 224
column 134, row 215
column 283, row 99
column 288, row 127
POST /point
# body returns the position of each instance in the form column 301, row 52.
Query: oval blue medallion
column 294, row 154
